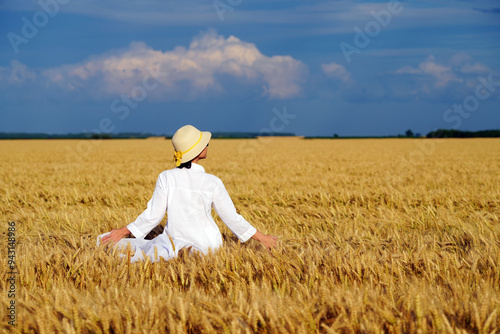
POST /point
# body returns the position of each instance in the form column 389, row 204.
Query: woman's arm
column 147, row 220
column 155, row 211
column 268, row 241
column 115, row 235
column 224, row 207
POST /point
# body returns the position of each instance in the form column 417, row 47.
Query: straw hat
column 188, row 142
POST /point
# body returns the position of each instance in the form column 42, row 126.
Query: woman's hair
column 188, row 164
column 185, row 165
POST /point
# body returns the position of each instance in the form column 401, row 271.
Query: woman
column 187, row 194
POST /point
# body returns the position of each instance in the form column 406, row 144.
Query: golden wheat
column 373, row 238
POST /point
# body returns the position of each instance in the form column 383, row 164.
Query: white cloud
column 442, row 79
column 16, row 74
column 337, row 71
column 463, row 63
column 474, row 68
column 212, row 64
column 441, row 74
column 456, row 70
column 460, row 58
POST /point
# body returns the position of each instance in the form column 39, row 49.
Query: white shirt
column 187, row 196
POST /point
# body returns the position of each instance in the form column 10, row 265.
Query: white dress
column 187, row 196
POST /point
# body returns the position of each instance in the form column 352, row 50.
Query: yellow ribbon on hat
column 178, row 154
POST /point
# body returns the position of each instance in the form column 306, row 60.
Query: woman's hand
column 268, row 241
column 115, row 235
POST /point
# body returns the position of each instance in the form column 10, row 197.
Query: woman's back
column 187, row 196
column 190, row 195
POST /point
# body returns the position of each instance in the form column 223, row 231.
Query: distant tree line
column 440, row 133
column 409, row 134
column 242, row 135
column 122, row 135
column 444, row 133
column 129, row 135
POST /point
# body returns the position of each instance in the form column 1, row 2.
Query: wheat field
column 376, row 236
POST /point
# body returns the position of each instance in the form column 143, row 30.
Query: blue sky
column 308, row 67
